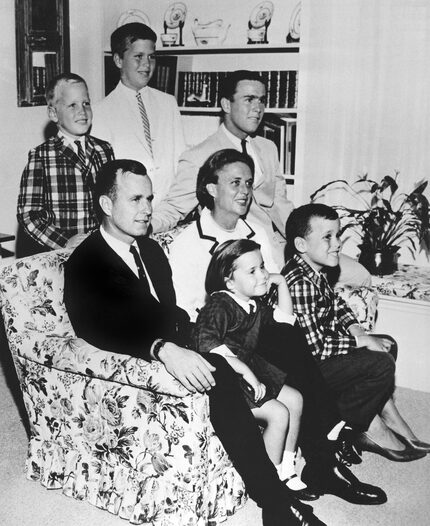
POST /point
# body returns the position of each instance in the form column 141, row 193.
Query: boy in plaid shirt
column 55, row 204
column 358, row 367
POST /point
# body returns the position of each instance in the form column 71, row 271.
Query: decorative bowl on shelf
column 210, row 34
column 168, row 39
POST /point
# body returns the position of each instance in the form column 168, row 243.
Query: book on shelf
column 202, row 88
column 282, row 131
column 50, row 66
column 39, row 81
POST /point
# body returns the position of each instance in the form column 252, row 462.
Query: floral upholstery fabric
column 409, row 282
column 114, row 430
column 363, row 302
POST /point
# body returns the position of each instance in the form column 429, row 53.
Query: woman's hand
column 258, row 388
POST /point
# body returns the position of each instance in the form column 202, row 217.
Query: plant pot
column 379, row 263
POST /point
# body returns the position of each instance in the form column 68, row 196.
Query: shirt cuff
column 151, row 350
column 223, row 350
column 282, row 317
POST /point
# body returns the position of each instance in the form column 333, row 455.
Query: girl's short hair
column 222, row 264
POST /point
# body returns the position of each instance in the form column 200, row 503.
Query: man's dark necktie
column 81, row 154
column 141, row 271
column 243, row 143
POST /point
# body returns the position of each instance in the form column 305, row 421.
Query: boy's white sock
column 334, row 433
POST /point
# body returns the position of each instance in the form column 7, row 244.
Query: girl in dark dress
column 230, row 324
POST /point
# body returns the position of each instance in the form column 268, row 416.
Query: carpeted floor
column 26, row 503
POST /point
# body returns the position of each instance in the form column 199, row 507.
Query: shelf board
column 215, row 50
column 201, row 110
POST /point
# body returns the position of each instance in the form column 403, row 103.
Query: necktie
column 243, row 143
column 142, row 276
column 145, row 120
column 81, row 154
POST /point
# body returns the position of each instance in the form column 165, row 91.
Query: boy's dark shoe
column 338, row 480
column 345, row 450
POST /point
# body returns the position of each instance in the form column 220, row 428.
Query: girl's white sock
column 288, row 471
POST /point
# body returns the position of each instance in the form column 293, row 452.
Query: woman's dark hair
column 208, row 173
column 122, row 38
column 298, row 223
column 222, row 266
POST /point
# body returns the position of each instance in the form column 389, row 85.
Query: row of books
column 202, row 88
column 43, row 74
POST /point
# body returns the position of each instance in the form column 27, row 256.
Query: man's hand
column 187, row 366
column 374, row 343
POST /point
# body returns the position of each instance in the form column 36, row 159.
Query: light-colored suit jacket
column 118, row 121
column 269, row 205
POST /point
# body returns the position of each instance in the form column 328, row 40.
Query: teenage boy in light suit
column 118, row 117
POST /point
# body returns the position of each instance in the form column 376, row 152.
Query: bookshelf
column 42, row 46
column 192, row 75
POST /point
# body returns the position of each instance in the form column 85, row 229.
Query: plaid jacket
column 324, row 316
column 56, row 195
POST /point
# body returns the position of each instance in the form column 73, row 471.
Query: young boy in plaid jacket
column 55, row 204
column 357, row 366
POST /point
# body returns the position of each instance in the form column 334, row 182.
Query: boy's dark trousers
column 362, row 382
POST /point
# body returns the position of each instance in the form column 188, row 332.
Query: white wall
column 21, row 128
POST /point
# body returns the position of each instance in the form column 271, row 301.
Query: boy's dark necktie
column 81, row 154
column 141, row 271
column 145, row 120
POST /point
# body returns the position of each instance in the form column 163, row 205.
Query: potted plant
column 385, row 221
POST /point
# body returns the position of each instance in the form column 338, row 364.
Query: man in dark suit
column 122, row 299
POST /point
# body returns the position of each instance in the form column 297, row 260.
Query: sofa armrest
column 76, row 355
column 363, row 301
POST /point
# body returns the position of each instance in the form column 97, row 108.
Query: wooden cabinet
column 42, row 46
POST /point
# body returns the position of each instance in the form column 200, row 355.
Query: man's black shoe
column 341, row 482
column 345, row 450
column 292, row 517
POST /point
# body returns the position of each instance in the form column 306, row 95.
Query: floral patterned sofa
column 116, row 431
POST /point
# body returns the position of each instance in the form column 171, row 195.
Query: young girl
column 230, row 324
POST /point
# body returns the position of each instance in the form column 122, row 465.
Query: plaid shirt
column 56, row 195
column 323, row 315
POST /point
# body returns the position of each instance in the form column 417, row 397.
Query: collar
column 246, row 305
column 317, row 277
column 235, row 140
column 130, row 92
column 69, row 141
column 210, row 230
column 118, row 246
